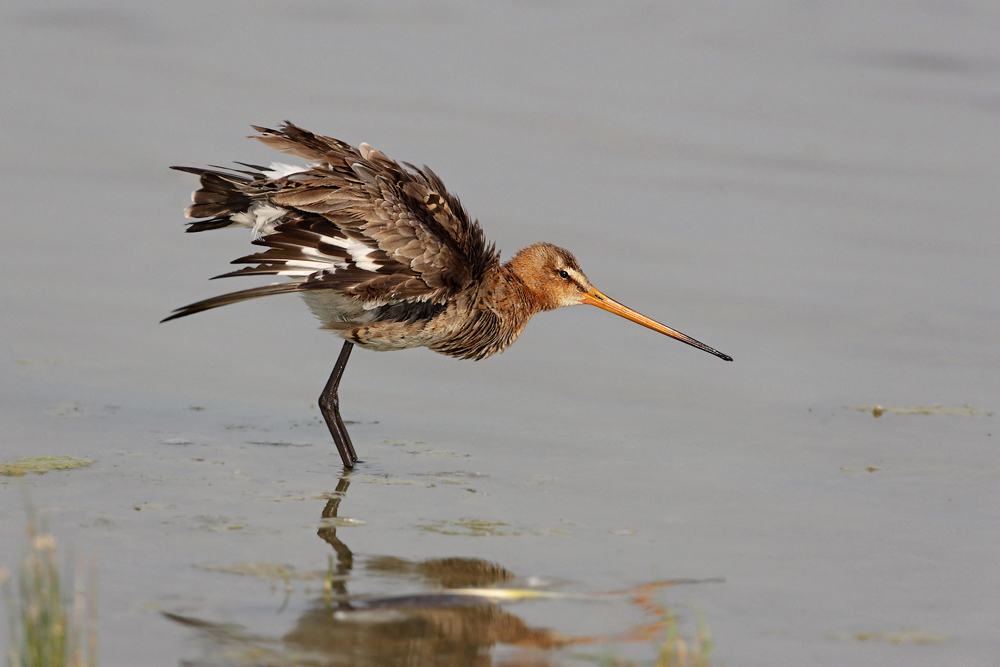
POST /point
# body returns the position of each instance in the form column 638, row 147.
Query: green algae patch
column 41, row 465
column 469, row 527
column 482, row 528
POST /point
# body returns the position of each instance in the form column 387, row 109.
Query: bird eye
column 563, row 275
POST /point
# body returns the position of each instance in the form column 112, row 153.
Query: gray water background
column 810, row 187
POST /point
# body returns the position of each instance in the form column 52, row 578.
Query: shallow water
column 810, row 188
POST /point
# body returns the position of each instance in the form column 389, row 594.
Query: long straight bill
column 596, row 298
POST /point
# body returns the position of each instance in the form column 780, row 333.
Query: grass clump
column 52, row 623
column 676, row 651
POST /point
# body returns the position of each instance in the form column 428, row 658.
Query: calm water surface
column 809, row 187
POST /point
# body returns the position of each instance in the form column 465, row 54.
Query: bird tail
column 222, row 196
column 227, row 198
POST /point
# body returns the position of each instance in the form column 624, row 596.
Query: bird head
column 555, row 279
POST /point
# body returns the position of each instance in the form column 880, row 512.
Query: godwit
column 384, row 256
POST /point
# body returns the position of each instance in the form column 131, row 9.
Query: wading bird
column 384, row 256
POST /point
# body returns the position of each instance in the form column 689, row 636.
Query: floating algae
column 960, row 410
column 469, row 527
column 270, row 571
column 911, row 636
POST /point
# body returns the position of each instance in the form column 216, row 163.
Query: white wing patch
column 359, row 252
column 260, row 217
column 280, row 170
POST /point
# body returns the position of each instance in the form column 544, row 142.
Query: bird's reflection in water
column 436, row 628
column 458, row 622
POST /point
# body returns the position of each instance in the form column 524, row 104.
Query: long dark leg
column 329, row 405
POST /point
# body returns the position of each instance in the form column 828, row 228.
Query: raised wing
column 355, row 222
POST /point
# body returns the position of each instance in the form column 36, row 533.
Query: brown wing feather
column 409, row 215
column 233, row 297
